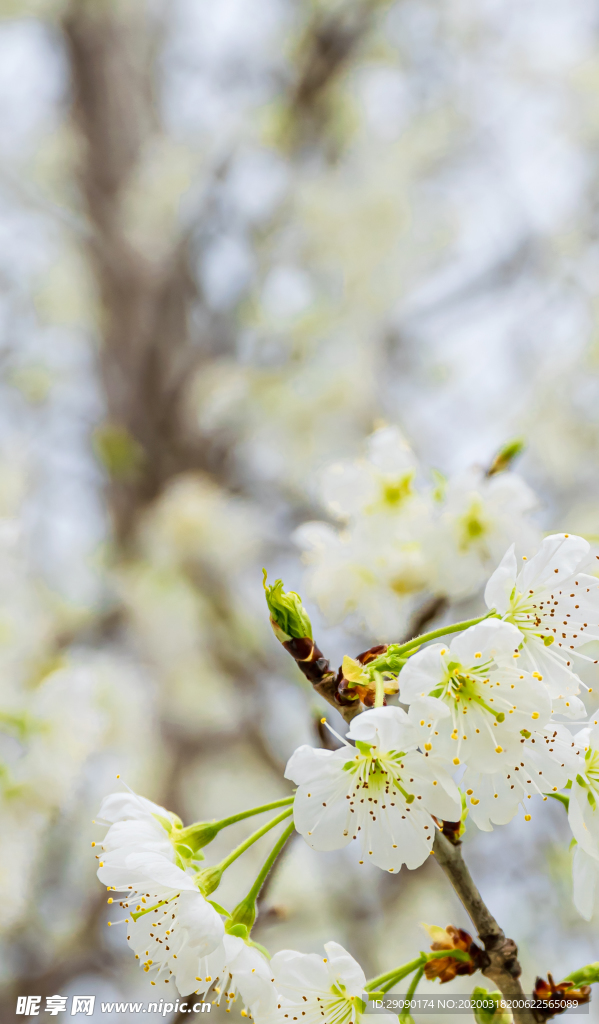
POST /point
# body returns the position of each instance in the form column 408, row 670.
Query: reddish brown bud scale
column 372, row 653
column 558, row 998
column 447, row 968
column 333, row 686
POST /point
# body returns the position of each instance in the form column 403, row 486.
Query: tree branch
column 504, row 968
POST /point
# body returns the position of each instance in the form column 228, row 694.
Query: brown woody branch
column 317, row 670
column 503, row 969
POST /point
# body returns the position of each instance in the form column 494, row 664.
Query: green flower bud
column 288, row 617
column 199, row 835
column 490, row 1011
column 505, row 456
column 209, row 879
column 242, row 919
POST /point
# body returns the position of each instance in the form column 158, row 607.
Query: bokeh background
column 235, row 239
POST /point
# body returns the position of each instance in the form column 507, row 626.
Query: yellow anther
column 456, row 760
column 527, row 817
column 535, row 714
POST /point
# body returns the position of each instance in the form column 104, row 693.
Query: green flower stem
column 399, row 973
column 405, row 1014
column 242, row 919
column 224, row 864
column 270, row 860
column 443, row 631
column 283, row 802
column 379, row 683
column 201, row 833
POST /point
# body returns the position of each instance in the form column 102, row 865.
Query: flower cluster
column 492, row 707
column 481, row 715
column 400, row 540
column 179, row 936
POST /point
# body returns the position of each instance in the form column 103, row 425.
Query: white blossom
column 554, row 604
column 545, row 761
column 317, row 990
column 167, row 918
column 491, row 700
column 376, row 567
column 478, row 517
column 235, row 969
column 375, row 572
column 382, row 791
column 380, row 483
column 170, row 935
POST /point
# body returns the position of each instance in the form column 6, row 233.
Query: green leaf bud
column 288, row 617
column 588, row 975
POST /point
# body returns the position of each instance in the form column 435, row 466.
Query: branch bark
column 504, row 968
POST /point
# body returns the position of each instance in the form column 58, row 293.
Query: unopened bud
column 288, row 617
column 505, row 456
column 209, row 879
column 487, row 1007
column 199, row 835
column 242, row 919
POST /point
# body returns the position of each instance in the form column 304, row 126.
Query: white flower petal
column 389, row 728
column 119, row 806
column 557, row 559
column 502, row 582
column 342, row 965
column 421, row 673
column 585, row 872
column 490, row 639
column 569, row 707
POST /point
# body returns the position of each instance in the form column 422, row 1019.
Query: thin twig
column 504, row 968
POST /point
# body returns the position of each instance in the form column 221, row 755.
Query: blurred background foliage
column 235, row 239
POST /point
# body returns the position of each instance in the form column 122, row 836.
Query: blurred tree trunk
column 146, row 352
